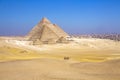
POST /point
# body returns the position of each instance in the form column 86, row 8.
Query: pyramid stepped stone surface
column 45, row 32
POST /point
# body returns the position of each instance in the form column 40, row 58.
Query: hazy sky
column 17, row 17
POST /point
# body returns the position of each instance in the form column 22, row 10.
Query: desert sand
column 88, row 59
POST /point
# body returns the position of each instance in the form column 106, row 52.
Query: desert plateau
column 59, row 39
column 87, row 59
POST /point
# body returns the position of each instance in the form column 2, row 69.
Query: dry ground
column 89, row 59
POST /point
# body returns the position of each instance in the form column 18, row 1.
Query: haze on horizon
column 18, row 17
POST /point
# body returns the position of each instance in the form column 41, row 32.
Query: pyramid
column 46, row 32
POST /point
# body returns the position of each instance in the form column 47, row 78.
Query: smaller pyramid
column 46, row 32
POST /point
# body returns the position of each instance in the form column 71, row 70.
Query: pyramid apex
column 45, row 20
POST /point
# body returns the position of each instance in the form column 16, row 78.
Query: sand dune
column 49, row 69
column 89, row 59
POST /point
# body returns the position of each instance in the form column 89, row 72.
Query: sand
column 89, row 59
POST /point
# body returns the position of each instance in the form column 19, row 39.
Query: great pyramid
column 46, row 32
